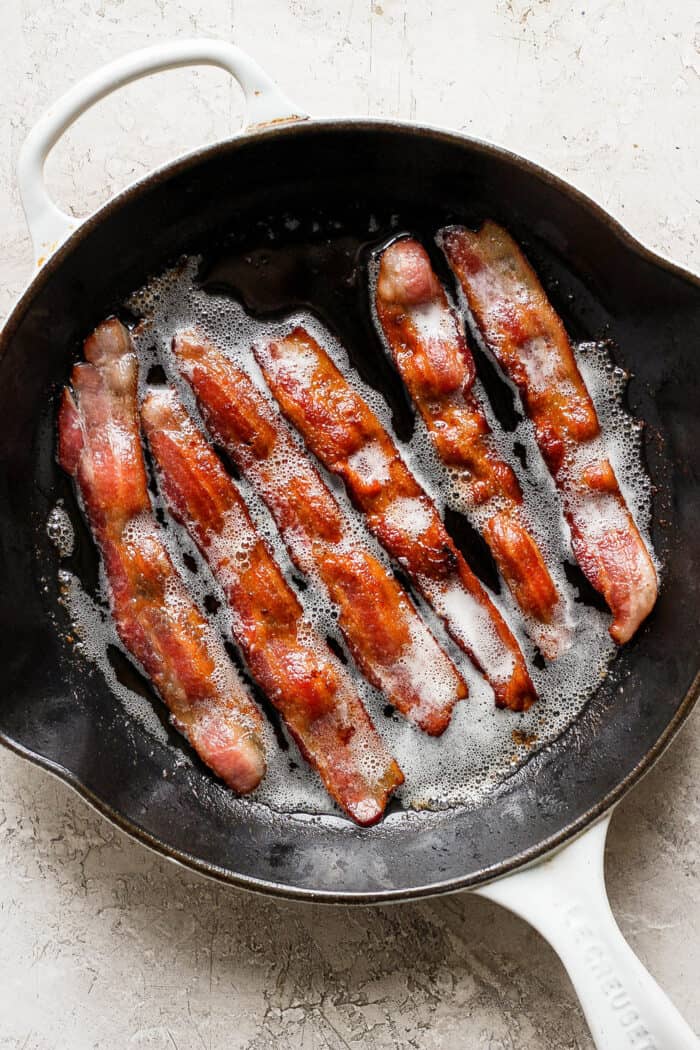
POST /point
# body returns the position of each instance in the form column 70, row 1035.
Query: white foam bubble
column 371, row 464
column 431, row 321
column 410, row 514
column 59, row 529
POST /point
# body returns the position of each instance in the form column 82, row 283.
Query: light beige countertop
column 103, row 944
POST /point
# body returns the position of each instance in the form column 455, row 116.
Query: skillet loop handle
column 565, row 899
column 265, row 104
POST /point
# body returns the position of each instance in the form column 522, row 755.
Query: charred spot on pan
column 447, row 560
column 299, row 583
column 393, row 390
column 441, row 268
column 235, row 657
column 211, row 604
column 539, row 660
column 394, row 805
column 271, row 713
column 128, row 676
column 585, row 592
column 336, row 648
column 156, row 376
column 403, row 580
column 473, row 546
column 228, row 464
column 151, row 477
column 499, row 394
column 190, row 562
column 521, row 452
column 129, row 318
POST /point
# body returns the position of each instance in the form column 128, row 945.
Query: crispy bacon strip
column 341, row 429
column 310, row 687
column 428, row 346
column 155, row 617
column 529, row 341
column 389, row 642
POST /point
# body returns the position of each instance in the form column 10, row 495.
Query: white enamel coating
column 48, row 225
column 563, row 896
column 565, row 899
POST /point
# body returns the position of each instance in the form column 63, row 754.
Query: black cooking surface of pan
column 232, row 203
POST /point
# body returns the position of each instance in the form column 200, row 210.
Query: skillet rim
column 182, row 164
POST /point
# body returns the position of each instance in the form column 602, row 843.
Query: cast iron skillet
column 58, row 711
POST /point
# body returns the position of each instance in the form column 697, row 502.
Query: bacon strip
column 527, row 338
column 308, row 685
column 155, row 617
column 429, row 349
column 389, row 642
column 344, row 433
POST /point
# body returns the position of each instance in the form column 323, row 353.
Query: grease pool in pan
column 292, row 268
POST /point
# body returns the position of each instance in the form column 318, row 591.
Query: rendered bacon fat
column 308, row 685
column 529, row 341
column 389, row 642
column 341, row 429
column 428, row 346
column 155, row 617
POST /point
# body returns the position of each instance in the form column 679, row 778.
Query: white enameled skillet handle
column 564, row 898
column 265, row 104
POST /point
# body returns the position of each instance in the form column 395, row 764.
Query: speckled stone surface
column 103, row 944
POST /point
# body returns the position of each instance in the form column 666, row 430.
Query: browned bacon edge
column 429, row 348
column 341, row 429
column 312, row 690
column 98, row 444
column 389, row 642
column 527, row 338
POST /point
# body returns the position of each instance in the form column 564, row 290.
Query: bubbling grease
column 59, row 529
column 479, row 748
